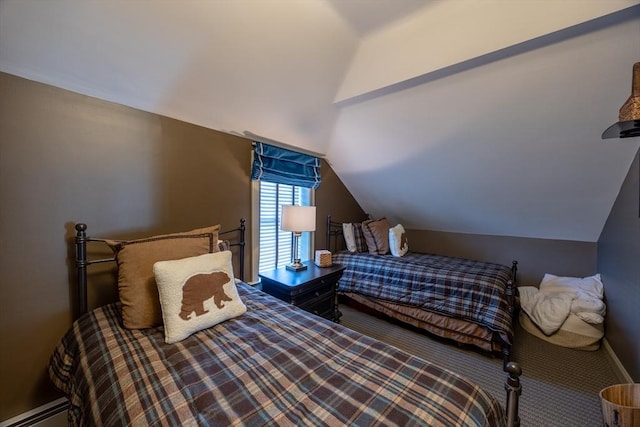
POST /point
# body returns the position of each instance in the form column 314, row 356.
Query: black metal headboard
column 82, row 262
column 334, row 231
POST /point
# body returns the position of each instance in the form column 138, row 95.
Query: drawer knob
column 317, row 293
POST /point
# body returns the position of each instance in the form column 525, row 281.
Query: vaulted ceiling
column 462, row 116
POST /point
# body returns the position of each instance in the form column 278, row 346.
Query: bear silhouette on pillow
column 201, row 287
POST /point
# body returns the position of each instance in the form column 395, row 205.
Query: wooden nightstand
column 313, row 289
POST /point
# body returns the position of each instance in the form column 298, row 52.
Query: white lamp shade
column 298, row 218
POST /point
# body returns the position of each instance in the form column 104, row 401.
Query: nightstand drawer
column 323, row 307
column 313, row 289
column 319, row 292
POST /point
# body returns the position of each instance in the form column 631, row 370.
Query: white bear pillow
column 398, row 243
column 196, row 293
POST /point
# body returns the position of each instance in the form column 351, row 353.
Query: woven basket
column 621, row 405
column 323, row 258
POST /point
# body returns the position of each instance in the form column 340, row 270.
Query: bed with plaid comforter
column 274, row 365
column 473, row 291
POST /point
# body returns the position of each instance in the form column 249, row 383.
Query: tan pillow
column 137, row 287
column 196, row 293
column 376, row 233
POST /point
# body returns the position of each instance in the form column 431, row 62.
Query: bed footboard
column 511, row 292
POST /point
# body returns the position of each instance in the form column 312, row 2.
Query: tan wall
column 67, row 158
column 535, row 256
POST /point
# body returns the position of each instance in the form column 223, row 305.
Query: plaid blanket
column 274, row 365
column 456, row 287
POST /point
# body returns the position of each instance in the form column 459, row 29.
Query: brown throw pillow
column 137, row 287
column 376, row 233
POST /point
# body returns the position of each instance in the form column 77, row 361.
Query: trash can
column 621, row 405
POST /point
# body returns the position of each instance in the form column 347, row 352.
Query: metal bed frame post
column 510, row 294
column 81, row 266
column 82, row 263
column 328, row 234
column 242, row 228
column 513, row 388
column 242, row 243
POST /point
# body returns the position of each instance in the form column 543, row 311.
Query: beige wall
column 535, row 256
column 67, row 158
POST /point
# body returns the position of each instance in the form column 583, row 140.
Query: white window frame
column 255, row 231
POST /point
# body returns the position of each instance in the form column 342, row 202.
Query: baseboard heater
column 38, row 414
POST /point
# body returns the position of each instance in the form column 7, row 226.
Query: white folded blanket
column 550, row 305
column 591, row 310
column 547, row 311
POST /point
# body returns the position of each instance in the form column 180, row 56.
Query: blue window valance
column 275, row 164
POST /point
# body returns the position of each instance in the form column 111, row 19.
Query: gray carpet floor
column 560, row 386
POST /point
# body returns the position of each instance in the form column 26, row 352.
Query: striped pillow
column 354, row 237
column 358, row 235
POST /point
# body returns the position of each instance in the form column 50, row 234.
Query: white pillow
column 591, row 286
column 398, row 243
column 196, row 293
column 349, row 238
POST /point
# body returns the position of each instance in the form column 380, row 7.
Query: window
column 275, row 245
column 280, row 177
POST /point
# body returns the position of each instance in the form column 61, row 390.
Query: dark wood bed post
column 81, row 266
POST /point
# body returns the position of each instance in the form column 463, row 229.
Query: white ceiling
column 463, row 116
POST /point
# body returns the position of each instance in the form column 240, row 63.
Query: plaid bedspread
column 456, row 287
column 274, row 365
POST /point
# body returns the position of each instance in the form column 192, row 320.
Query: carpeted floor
column 560, row 386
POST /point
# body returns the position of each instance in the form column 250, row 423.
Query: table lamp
column 298, row 219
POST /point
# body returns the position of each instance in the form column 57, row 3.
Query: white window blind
column 276, row 244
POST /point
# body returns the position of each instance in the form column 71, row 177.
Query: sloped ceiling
column 462, row 116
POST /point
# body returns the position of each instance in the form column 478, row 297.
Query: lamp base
column 296, row 265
